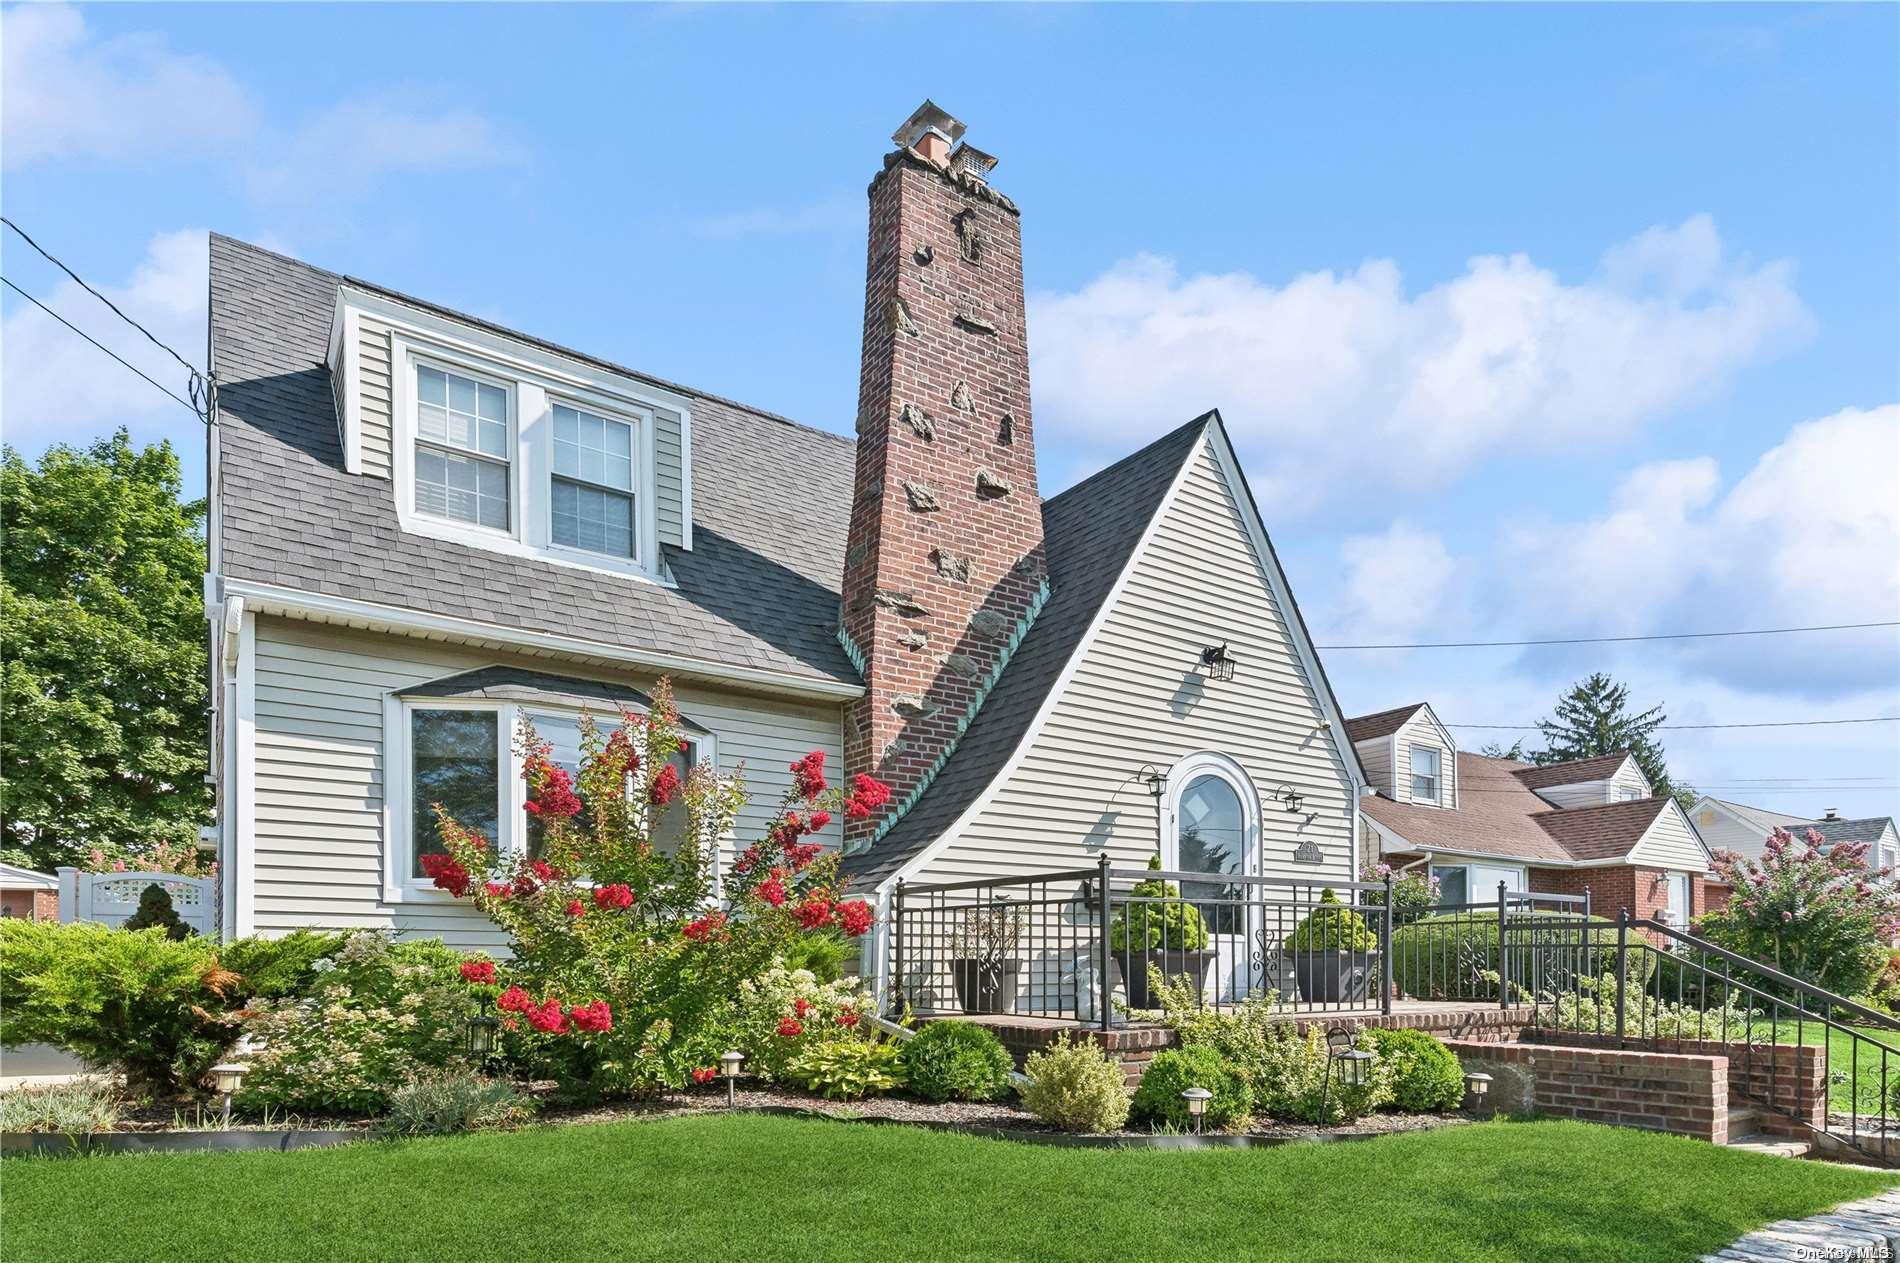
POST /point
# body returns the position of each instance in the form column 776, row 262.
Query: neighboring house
column 1727, row 826
column 28, row 895
column 1562, row 828
column 425, row 528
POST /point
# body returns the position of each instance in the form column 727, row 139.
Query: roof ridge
column 546, row 343
column 1139, row 452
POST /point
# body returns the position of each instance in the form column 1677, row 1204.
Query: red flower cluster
column 848, row 1018
column 575, row 907
column 514, row 1000
column 706, row 928
column 867, row 795
column 592, row 1017
column 801, row 1006
column 814, row 913
column 666, row 786
column 480, row 972
column 748, row 859
column 704, row 1074
column 772, row 890
column 800, row 854
column 497, row 890
column 447, row 873
column 555, row 798
column 790, row 1027
column 547, row 1017
column 856, row 917
column 544, row 871
column 618, row 895
column 808, row 775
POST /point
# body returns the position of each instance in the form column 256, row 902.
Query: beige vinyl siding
column 1419, row 730
column 1629, row 776
column 669, row 480
column 318, row 832
column 1670, row 843
column 1136, row 699
column 1376, row 756
column 374, row 395
column 1720, row 831
column 1581, row 794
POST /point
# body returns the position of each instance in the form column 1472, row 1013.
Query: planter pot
column 1176, row 964
column 985, row 986
column 1330, row 977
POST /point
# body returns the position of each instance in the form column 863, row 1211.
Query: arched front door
column 1212, row 826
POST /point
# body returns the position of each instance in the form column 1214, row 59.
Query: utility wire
column 189, row 367
column 108, row 350
column 1781, row 723
column 1609, row 640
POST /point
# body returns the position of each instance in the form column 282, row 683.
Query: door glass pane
column 456, row 758
column 1211, row 837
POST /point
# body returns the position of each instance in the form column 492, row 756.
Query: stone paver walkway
column 1865, row 1232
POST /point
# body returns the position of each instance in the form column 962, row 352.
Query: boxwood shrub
column 1076, row 1086
column 1158, row 1099
column 957, row 1061
column 1456, row 957
column 1426, row 1076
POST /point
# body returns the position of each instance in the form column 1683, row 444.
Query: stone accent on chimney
column 947, row 512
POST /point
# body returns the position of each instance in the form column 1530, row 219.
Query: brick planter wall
column 1681, row 1093
column 1790, row 1081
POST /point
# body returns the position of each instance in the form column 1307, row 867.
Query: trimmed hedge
column 1158, row 1099
column 1456, row 957
column 1426, row 1075
column 958, row 1061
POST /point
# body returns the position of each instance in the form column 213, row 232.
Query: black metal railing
column 1083, row 943
column 1820, row 1060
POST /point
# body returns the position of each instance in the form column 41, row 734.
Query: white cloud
column 1345, row 379
column 1398, row 583
column 59, row 389
column 343, row 151
column 68, row 96
column 834, row 214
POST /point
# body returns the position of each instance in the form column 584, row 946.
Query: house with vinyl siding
column 427, row 529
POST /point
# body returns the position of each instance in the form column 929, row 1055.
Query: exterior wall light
column 1217, row 662
column 1154, row 778
column 229, row 1076
column 1197, row 1099
column 1292, row 799
column 729, row 1071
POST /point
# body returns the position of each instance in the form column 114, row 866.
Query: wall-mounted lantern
column 1292, row 799
column 1154, row 778
column 1217, row 663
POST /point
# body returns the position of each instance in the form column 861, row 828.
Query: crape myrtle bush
column 626, row 968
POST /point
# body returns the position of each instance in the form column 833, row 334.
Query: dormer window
column 462, row 448
column 592, row 498
column 1424, row 774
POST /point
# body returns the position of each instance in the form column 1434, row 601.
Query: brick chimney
column 944, row 566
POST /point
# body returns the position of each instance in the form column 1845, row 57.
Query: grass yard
column 1854, row 1075
column 773, row 1188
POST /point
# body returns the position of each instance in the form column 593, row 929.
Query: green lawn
column 1852, row 1073
column 776, row 1188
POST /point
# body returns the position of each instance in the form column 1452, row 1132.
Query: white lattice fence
column 110, row 898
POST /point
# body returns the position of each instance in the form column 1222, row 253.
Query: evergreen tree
column 1593, row 718
column 102, row 634
column 1497, row 750
column 155, row 911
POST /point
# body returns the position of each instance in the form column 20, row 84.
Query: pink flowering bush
column 629, row 957
column 1825, row 918
column 1414, row 891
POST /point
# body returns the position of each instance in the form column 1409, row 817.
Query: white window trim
column 1434, row 867
column 1185, row 772
column 399, row 886
column 1411, row 775
column 531, row 393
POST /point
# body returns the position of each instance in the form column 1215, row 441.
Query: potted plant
column 1157, row 930
column 1332, row 951
column 983, row 960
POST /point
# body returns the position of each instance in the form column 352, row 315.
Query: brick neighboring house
column 1562, row 828
column 426, row 528
column 29, row 895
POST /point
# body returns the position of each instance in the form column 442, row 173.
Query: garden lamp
column 229, row 1076
column 1477, row 1087
column 481, row 1034
column 1353, row 1065
column 729, row 1070
column 1197, row 1099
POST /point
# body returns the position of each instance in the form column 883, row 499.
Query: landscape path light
column 1197, row 1099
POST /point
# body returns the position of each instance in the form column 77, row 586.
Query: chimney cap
column 975, row 161
column 1833, row 813
column 926, row 118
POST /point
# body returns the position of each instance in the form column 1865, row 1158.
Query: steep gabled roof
column 1090, row 532
column 771, row 504
column 1602, row 832
column 1382, row 724
column 1573, row 772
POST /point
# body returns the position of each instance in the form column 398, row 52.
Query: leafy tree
column 1593, row 718
column 103, row 637
column 1823, row 915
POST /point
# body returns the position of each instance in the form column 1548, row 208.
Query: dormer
column 1409, row 755
column 514, row 446
column 1606, row 778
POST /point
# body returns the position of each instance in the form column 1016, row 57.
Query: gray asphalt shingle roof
column 1091, row 531
column 1868, row 829
column 771, row 504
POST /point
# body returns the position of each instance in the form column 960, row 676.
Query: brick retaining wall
column 1791, row 1080
column 1682, row 1093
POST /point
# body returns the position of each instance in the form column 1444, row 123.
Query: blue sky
column 1528, row 321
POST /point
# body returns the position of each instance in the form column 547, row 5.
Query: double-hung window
column 462, row 448
column 591, row 496
column 1424, row 774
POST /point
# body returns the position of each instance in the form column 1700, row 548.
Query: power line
column 80, row 281
column 108, row 350
column 1779, row 723
column 1610, row 640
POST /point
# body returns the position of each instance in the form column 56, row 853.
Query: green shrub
column 1331, row 927
column 151, row 1008
column 823, row 954
column 847, row 1069
column 454, row 1101
column 272, row 968
column 1426, row 1076
column 79, row 1108
column 1158, row 1099
column 1591, row 1006
column 957, row 1061
column 784, row 1011
column 1290, row 1080
column 380, row 1016
column 1455, row 956
column 155, row 912
column 1076, row 1086
column 1173, row 924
